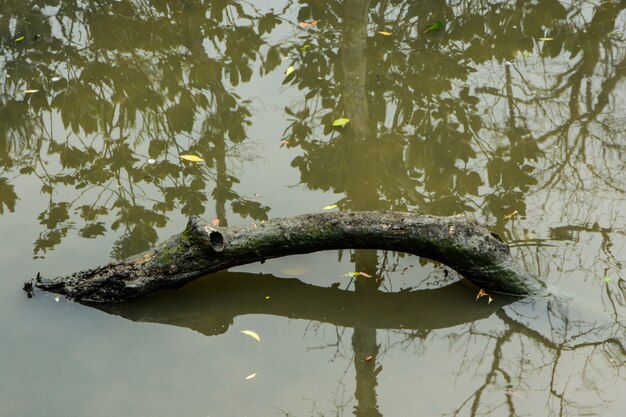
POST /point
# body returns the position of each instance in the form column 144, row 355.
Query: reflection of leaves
column 267, row 23
column 247, row 208
column 92, row 230
column 56, row 213
column 7, row 196
column 140, row 238
column 49, row 240
column 130, row 105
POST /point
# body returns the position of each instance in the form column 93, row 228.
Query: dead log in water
column 459, row 242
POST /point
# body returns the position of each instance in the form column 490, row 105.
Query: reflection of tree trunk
column 509, row 97
column 365, row 345
column 221, row 180
column 365, row 349
column 458, row 241
column 354, row 65
column 362, row 188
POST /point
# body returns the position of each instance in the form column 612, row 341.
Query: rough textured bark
column 459, row 242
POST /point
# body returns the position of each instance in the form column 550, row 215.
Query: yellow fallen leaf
column 332, row 206
column 289, row 70
column 382, row 32
column 510, row 215
column 341, row 122
column 490, row 299
column 546, row 39
column 481, row 293
column 252, row 334
column 191, row 158
column 19, row 38
column 356, row 274
column 251, row 375
column 30, row 91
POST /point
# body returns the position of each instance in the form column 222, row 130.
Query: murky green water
column 512, row 112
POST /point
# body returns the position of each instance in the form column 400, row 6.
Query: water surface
column 511, row 112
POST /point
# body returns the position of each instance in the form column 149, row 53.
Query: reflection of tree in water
column 438, row 124
column 417, row 139
column 426, row 92
column 513, row 355
column 134, row 85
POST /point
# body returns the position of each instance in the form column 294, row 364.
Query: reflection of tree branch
column 211, row 304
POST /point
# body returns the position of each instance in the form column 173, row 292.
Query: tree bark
column 459, row 242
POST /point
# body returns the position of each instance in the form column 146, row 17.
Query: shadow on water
column 211, row 304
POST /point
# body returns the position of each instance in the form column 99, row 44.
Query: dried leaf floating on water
column 251, row 375
column 191, row 158
column 384, row 33
column 510, row 215
column 30, row 91
column 481, row 293
column 341, row 122
column 546, row 39
column 289, row 70
column 356, row 274
column 310, row 24
column 19, row 38
column 332, row 206
column 252, row 334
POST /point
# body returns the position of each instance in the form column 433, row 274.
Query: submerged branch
column 459, row 242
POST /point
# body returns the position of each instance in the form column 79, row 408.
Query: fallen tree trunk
column 458, row 241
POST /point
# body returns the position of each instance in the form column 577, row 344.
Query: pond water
column 511, row 112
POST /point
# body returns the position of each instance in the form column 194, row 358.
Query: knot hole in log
column 216, row 238
column 207, row 233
